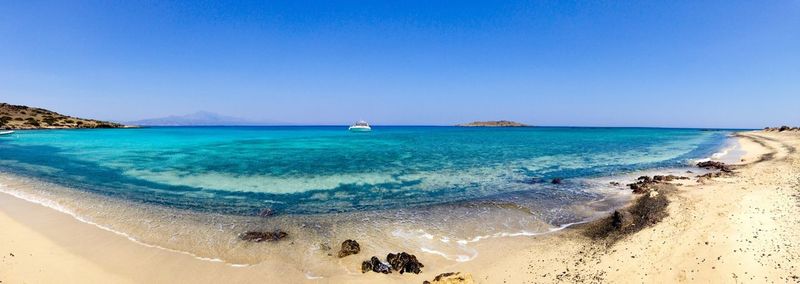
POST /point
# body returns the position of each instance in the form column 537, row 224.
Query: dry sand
column 739, row 228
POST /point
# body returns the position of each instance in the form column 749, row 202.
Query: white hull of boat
column 6, row 132
column 357, row 128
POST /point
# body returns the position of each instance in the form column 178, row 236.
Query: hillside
column 23, row 117
column 499, row 123
column 202, row 118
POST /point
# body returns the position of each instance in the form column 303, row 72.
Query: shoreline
column 475, row 267
column 47, row 199
column 615, row 196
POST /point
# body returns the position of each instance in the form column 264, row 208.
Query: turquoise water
column 306, row 170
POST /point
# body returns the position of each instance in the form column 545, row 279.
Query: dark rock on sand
column 711, row 175
column 667, row 178
column 404, row 262
column 706, row 177
column 645, row 183
column 266, row 212
column 616, row 220
column 639, row 188
column 375, row 265
column 451, row 278
column 257, row 237
column 349, row 247
column 781, row 129
column 621, row 219
column 644, row 212
column 714, row 165
column 324, row 247
column 557, row 181
column 642, row 185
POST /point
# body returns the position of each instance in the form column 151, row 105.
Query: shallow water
column 240, row 170
column 434, row 190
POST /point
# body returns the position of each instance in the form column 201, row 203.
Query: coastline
column 727, row 229
column 550, row 252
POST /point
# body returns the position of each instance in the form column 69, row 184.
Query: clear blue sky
column 603, row 63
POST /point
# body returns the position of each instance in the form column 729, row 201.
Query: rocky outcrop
column 349, row 247
column 714, row 165
column 401, row 262
column 645, row 211
column 642, row 185
column 375, row 265
column 23, row 117
column 667, row 178
column 621, row 219
column 705, row 177
column 404, row 262
column 498, row 123
column 257, row 236
column 451, row 278
column 781, row 129
column 266, row 212
column 645, row 183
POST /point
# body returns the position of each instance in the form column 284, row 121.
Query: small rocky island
column 24, row 117
column 497, row 123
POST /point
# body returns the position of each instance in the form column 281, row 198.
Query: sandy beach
column 727, row 229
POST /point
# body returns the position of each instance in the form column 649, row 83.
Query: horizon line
column 440, row 125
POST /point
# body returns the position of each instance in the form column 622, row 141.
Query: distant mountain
column 499, row 123
column 201, row 118
column 24, row 117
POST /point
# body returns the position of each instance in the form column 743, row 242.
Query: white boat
column 6, row 132
column 360, row 126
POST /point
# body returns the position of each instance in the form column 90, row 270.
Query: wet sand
column 728, row 229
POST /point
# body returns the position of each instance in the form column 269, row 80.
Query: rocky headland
column 24, row 117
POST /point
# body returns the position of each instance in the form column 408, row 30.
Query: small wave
column 728, row 152
column 520, row 233
column 463, row 243
column 58, row 207
column 721, row 154
column 458, row 258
